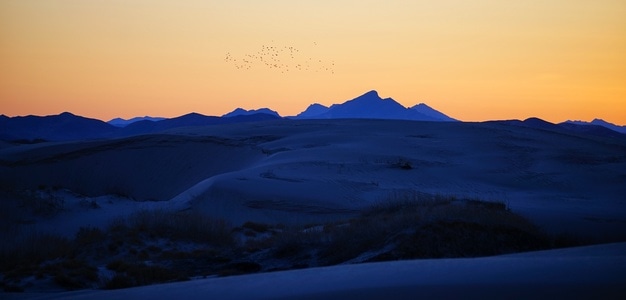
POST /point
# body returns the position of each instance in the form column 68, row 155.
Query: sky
column 473, row 60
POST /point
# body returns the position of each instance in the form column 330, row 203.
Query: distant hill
column 312, row 111
column 243, row 112
column 599, row 122
column 119, row 122
column 66, row 126
column 565, row 127
column 426, row 110
column 62, row 127
column 192, row 119
column 146, row 126
column 371, row 106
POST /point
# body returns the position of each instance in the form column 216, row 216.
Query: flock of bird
column 284, row 59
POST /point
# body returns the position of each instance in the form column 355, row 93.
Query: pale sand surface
column 592, row 272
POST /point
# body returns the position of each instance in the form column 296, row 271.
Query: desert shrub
column 11, row 288
column 87, row 236
column 118, row 265
column 143, row 255
column 487, row 204
column 292, row 241
column 425, row 226
column 70, row 274
column 118, row 225
column 347, row 242
column 68, row 282
column 406, row 202
column 153, row 249
column 92, row 204
column 239, row 268
column 40, row 202
column 289, row 245
column 119, row 281
column 32, row 247
column 401, row 163
column 465, row 239
column 257, row 227
column 182, row 226
column 119, row 190
column 130, row 274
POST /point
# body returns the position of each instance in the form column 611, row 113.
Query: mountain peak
column 314, row 110
column 432, row 113
column 244, row 112
column 603, row 123
column 421, row 105
column 66, row 114
column 371, row 106
column 121, row 122
column 371, row 94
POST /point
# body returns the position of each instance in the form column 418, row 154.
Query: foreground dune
column 593, row 272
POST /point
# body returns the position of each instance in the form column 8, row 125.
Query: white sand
column 311, row 170
column 595, row 272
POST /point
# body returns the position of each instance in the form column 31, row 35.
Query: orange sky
column 473, row 60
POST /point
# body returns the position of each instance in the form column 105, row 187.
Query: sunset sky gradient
column 473, row 60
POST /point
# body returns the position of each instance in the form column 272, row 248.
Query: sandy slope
column 307, row 170
column 595, row 272
column 153, row 167
column 568, row 183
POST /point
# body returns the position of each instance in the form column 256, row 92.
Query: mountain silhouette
column 119, row 122
column 63, row 127
column 66, row 126
column 312, row 111
column 192, row 119
column 430, row 112
column 598, row 122
column 243, row 112
column 565, row 127
column 371, row 106
column 146, row 126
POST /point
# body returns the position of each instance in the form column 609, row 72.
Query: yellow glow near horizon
column 473, row 60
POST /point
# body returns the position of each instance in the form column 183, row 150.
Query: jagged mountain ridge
column 67, row 126
column 371, row 106
column 245, row 112
column 599, row 122
column 120, row 122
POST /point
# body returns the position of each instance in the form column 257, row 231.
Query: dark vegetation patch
column 129, row 274
column 28, row 141
column 156, row 246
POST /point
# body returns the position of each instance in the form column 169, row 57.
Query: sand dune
column 577, row 273
column 290, row 171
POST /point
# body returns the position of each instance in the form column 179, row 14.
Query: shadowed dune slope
column 576, row 273
column 151, row 167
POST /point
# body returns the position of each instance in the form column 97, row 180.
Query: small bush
column 425, row 226
column 87, row 236
column 12, row 288
column 41, row 202
column 257, row 227
column 402, row 163
column 32, row 247
column 68, row 282
column 119, row 281
column 240, row 268
column 140, row 274
column 181, row 226
column 118, row 265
